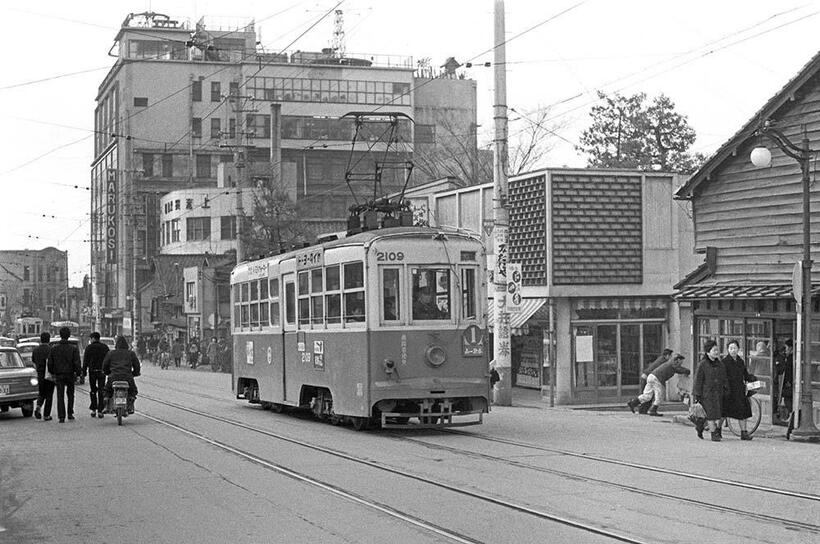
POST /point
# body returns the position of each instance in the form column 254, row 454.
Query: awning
column 517, row 319
column 768, row 291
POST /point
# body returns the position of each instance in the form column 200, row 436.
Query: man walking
column 46, row 388
column 662, row 358
column 655, row 382
column 64, row 365
column 92, row 365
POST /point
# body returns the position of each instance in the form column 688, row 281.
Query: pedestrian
column 737, row 402
column 64, row 365
column 655, row 381
column 711, row 387
column 141, row 346
column 224, row 356
column 659, row 360
column 784, row 366
column 46, row 387
column 213, row 354
column 93, row 356
column 121, row 364
column 193, row 352
column 176, row 351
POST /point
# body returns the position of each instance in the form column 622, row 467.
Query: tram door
column 290, row 351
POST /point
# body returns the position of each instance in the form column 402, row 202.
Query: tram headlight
column 389, row 366
column 34, row 381
column 435, row 355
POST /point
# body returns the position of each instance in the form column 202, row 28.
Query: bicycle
column 752, row 423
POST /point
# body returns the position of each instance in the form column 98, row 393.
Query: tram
column 385, row 328
column 28, row 327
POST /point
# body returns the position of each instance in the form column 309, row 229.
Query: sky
column 719, row 62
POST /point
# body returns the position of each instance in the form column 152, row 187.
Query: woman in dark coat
column 711, row 386
column 736, row 404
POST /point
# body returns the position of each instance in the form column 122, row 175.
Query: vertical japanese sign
column 111, row 224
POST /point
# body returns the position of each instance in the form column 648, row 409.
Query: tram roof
column 362, row 239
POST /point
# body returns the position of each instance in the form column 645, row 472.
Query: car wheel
column 27, row 409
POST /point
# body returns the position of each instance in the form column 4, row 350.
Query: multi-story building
column 600, row 252
column 182, row 100
column 33, row 283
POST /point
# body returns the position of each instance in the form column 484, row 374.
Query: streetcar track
column 279, row 468
column 602, row 459
column 789, row 524
column 592, row 457
column 298, row 476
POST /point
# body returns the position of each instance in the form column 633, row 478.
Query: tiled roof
column 735, row 291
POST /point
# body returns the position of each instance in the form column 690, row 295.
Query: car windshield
column 25, row 349
column 10, row 359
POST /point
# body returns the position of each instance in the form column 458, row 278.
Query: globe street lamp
column 761, row 157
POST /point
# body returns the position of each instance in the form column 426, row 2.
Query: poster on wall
column 583, row 349
column 528, row 373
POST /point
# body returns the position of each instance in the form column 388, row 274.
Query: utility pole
column 501, row 345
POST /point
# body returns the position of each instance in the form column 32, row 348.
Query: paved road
column 91, row 481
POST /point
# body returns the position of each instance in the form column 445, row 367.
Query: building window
column 167, row 165
column 190, row 294
column 196, row 127
column 26, row 297
column 148, row 165
column 216, row 91
column 425, row 134
column 203, row 166
column 196, row 90
column 26, row 273
column 227, row 227
column 233, row 88
column 258, row 125
column 198, row 228
column 140, row 101
column 216, row 127
column 232, row 128
column 175, row 230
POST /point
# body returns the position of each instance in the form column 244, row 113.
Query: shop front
column 530, row 340
column 612, row 341
column 766, row 329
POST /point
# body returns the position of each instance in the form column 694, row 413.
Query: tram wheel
column 277, row 408
column 266, row 405
column 360, row 423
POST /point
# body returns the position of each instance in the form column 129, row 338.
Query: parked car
column 5, row 341
column 25, row 349
column 108, row 341
column 18, row 383
column 28, row 340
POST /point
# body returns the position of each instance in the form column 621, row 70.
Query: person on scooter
column 121, row 364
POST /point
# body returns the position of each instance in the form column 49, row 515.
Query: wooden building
column 748, row 224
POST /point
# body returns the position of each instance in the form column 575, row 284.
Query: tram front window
column 431, row 294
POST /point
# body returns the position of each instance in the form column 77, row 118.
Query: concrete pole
column 502, row 349
column 240, row 210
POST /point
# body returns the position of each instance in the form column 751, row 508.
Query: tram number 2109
column 382, row 256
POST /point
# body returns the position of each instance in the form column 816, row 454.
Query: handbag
column 49, row 377
column 697, row 411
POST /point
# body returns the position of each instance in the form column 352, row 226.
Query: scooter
column 121, row 402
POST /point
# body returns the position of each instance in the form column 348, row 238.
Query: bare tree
column 275, row 223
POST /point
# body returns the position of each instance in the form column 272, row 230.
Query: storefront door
column 609, row 358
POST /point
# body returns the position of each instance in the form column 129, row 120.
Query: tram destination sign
column 310, row 259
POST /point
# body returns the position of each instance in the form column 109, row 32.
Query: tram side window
column 254, row 300
column 354, row 292
column 468, row 293
column 316, row 307
column 273, row 290
column 290, row 303
column 237, row 307
column 333, row 295
column 431, row 293
column 246, row 310
column 391, row 302
column 303, row 280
